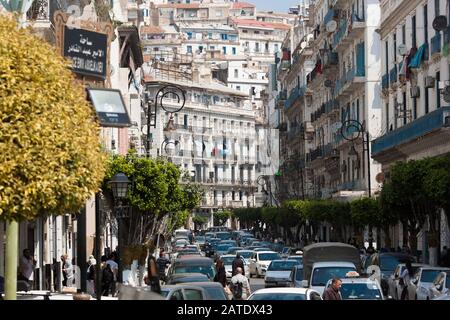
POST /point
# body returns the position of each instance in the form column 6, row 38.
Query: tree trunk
column 12, row 240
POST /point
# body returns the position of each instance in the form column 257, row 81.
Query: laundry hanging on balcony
column 403, row 70
column 198, row 147
column 418, row 57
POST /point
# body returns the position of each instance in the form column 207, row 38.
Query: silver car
column 279, row 273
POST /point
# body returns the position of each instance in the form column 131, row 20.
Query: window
column 386, row 44
column 266, row 32
column 192, row 294
column 189, row 34
column 256, row 32
column 387, row 117
column 224, row 49
column 224, row 36
column 244, row 31
column 404, row 34
column 234, row 50
column 395, row 47
column 275, row 47
column 256, row 47
column 219, row 13
column 415, row 108
column 436, row 8
column 427, row 106
column 177, row 295
column 189, row 49
column 238, row 88
column 236, row 73
column 414, row 35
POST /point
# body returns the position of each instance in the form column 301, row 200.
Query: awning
column 418, row 57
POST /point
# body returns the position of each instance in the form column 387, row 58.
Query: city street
column 256, row 284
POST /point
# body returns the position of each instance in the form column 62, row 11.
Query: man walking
column 115, row 269
column 237, row 263
column 26, row 267
column 162, row 263
column 332, row 292
column 239, row 286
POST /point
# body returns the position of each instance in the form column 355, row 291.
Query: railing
column 295, row 94
column 436, row 44
column 393, row 75
column 317, row 153
column 385, row 81
column 433, row 121
column 341, row 32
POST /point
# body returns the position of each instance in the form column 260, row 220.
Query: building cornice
column 397, row 15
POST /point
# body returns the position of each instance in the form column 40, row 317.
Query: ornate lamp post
column 120, row 186
column 164, row 93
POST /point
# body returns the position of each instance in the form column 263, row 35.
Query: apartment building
column 414, row 80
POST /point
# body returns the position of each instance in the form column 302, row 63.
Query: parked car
column 262, row 249
column 360, row 288
column 285, row 294
column 260, row 261
column 222, row 248
column 178, row 278
column 422, row 281
column 193, row 265
column 395, row 289
column 184, row 292
column 297, row 276
column 387, row 262
column 440, row 286
column 279, row 273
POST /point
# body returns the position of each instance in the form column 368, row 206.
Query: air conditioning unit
column 429, row 82
column 415, row 92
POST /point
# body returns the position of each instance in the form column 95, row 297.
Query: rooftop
column 242, row 5
column 261, row 24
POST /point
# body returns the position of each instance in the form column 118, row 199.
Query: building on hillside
column 414, row 77
column 242, row 10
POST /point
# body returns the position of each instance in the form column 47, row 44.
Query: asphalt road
column 256, row 284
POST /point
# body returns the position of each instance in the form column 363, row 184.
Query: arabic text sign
column 87, row 50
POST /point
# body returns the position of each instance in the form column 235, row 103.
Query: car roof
column 359, row 280
column 187, row 275
column 244, row 250
column 268, row 251
column 205, row 284
column 228, row 256
column 284, row 260
column 434, row 268
column 334, row 264
column 283, row 290
column 193, row 260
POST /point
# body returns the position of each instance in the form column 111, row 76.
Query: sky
column 281, row 6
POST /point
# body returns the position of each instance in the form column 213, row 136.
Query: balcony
column 436, row 44
column 351, row 81
column 315, row 74
column 434, row 121
column 331, row 59
column 316, row 154
column 294, row 95
column 385, row 82
column 393, row 76
column 329, row 16
column 347, row 33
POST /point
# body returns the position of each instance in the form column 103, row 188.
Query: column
column 2, row 249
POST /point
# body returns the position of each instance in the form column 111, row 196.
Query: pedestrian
column 333, row 291
column 237, row 263
column 26, row 267
column 92, row 265
column 405, row 279
column 115, row 269
column 221, row 275
column 152, row 275
column 67, row 271
column 107, row 280
column 239, row 286
column 162, row 263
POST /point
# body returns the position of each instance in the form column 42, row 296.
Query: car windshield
column 298, row 258
column 322, row 275
column 299, row 275
column 227, row 260
column 245, row 254
column 389, row 262
column 429, row 275
column 359, row 291
column 268, row 256
column 204, row 269
column 278, row 296
column 282, row 265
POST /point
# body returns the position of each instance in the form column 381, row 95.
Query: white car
column 440, row 286
column 422, row 281
column 259, row 262
column 324, row 271
column 360, row 288
column 285, row 294
column 228, row 263
column 279, row 273
column 395, row 289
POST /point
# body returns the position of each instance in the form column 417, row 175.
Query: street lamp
column 164, row 92
column 166, row 142
column 119, row 186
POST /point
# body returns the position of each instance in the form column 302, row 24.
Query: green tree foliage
column 199, row 220
column 51, row 160
column 365, row 211
column 220, row 217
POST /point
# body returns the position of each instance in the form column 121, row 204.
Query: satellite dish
column 331, row 26
column 402, row 50
column 440, row 23
column 328, row 83
column 374, row 273
column 303, row 45
column 380, row 177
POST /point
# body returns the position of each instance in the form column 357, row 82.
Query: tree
column 199, row 221
column 220, row 217
column 51, row 160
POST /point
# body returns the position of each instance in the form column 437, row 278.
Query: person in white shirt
column 26, row 267
column 406, row 278
column 239, row 280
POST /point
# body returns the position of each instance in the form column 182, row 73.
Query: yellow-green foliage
column 50, row 154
